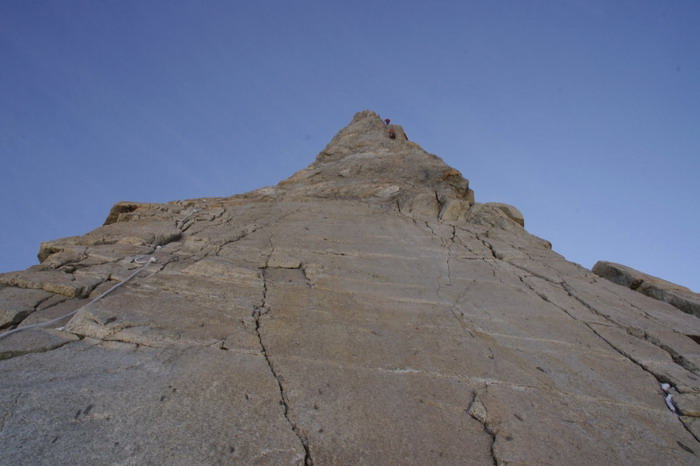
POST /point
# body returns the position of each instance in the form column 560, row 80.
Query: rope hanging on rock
column 138, row 260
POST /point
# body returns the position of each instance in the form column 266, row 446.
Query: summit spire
column 363, row 162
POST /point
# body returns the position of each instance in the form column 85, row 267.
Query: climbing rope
column 181, row 223
column 146, row 260
column 139, row 260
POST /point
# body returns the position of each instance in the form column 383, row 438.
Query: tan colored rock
column 34, row 341
column 57, row 306
column 675, row 295
column 420, row 204
column 16, row 304
column 511, row 212
column 126, row 211
column 692, row 424
column 92, row 403
column 62, row 283
column 453, row 209
column 688, row 404
column 363, row 311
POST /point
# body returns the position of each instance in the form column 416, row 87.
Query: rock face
column 675, row 295
column 363, row 311
column 511, row 212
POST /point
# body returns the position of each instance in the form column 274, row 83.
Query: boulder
column 510, row 211
column 675, row 295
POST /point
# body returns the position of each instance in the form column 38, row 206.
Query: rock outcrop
column 675, row 295
column 364, row 311
column 511, row 212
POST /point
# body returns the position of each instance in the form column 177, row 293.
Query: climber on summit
column 392, row 133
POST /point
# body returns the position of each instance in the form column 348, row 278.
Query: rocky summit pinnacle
column 363, row 162
column 365, row 310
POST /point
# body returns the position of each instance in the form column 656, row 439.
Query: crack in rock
column 454, row 307
column 247, row 230
column 632, row 331
column 257, row 314
column 659, row 377
column 638, row 333
column 566, row 288
column 675, row 356
column 42, row 347
column 488, row 245
column 478, row 412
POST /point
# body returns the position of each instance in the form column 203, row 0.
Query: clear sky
column 583, row 114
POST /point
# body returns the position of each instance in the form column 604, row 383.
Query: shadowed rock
column 675, row 295
column 364, row 311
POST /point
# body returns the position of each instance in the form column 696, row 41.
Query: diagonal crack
column 623, row 353
column 488, row 244
column 245, row 231
column 659, row 377
column 638, row 333
column 635, row 332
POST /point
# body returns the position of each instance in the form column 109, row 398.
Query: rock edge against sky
column 364, row 311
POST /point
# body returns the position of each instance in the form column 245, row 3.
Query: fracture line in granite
column 257, row 313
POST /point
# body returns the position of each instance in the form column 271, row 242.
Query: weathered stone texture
column 363, row 311
column 675, row 295
column 510, row 211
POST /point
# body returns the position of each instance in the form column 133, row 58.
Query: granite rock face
column 675, row 295
column 511, row 212
column 364, row 311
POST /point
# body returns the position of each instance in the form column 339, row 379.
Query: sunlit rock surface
column 675, row 295
column 364, row 311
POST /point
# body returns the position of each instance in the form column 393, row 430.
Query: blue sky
column 583, row 114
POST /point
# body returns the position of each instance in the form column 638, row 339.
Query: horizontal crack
column 45, row 349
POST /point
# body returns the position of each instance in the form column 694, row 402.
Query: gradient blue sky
column 583, row 114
